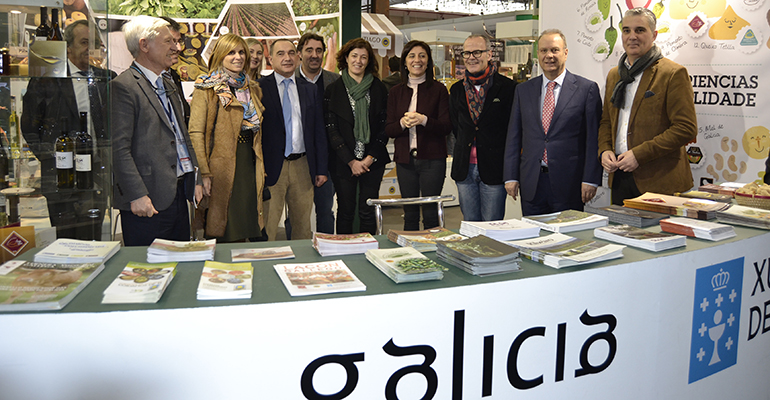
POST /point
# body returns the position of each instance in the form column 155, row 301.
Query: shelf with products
column 49, row 83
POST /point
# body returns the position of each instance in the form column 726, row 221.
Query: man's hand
column 206, row 185
column 588, row 192
column 198, row 194
column 512, row 188
column 627, row 162
column 320, row 180
column 609, row 162
column 142, row 207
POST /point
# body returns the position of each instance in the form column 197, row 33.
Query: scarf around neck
column 224, row 87
column 476, row 99
column 627, row 75
column 357, row 91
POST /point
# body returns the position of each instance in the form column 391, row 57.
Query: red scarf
column 476, row 99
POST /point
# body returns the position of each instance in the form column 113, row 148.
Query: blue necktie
column 286, row 105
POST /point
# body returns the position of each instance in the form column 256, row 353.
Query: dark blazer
column 327, row 77
column 433, row 102
column 571, row 141
column 662, row 122
column 143, row 143
column 339, row 126
column 50, row 106
column 274, row 132
column 185, row 105
column 489, row 135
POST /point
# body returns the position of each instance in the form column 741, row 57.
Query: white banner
column 692, row 326
column 724, row 45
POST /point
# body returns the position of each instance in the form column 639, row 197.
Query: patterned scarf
column 221, row 82
column 358, row 91
column 627, row 75
column 476, row 99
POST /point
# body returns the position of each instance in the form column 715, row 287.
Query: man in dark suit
column 550, row 153
column 176, row 28
column 53, row 105
column 394, row 64
column 480, row 107
column 648, row 116
column 311, row 49
column 293, row 141
column 154, row 162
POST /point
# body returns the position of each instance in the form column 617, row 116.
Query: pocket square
column 496, row 100
column 649, row 93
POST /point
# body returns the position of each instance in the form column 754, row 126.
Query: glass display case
column 55, row 157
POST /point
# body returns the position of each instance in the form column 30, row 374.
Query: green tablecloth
column 267, row 287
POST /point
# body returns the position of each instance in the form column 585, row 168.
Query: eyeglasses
column 476, row 53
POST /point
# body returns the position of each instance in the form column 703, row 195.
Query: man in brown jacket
column 648, row 116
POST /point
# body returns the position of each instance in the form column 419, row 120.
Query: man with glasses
column 481, row 106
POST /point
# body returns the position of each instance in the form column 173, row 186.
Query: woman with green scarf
column 225, row 121
column 355, row 111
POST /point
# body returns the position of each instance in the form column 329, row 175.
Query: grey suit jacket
column 143, row 143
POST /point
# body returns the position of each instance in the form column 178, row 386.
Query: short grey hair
column 553, row 32
column 487, row 43
column 141, row 27
column 652, row 22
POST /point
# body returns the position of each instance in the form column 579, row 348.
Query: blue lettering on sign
column 716, row 318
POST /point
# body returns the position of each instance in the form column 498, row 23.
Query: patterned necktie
column 549, row 104
column 286, row 106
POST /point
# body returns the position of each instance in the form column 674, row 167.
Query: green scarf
column 357, row 91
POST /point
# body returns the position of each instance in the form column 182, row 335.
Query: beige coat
column 219, row 127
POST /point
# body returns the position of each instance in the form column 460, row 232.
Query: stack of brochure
column 697, row 194
column 140, row 283
column 169, row 251
column 336, row 245
column 424, row 240
column 480, row 255
column 318, row 278
column 697, row 229
column 270, row 253
column 405, row 264
column 567, row 221
column 223, row 281
column 29, row 286
column 746, row 216
column 628, row 216
column 641, row 238
column 558, row 251
column 509, row 229
column 67, row 251
column 674, row 205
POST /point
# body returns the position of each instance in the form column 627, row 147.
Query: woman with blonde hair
column 226, row 115
column 256, row 53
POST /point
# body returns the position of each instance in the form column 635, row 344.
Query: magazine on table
column 628, row 216
column 221, row 281
column 270, row 253
column 567, row 221
column 674, row 205
column 161, row 250
column 746, row 216
column 336, row 245
column 140, row 283
column 318, row 278
column 640, row 238
column 558, row 250
column 509, row 229
column 697, row 229
column 30, row 286
column 424, row 240
column 405, row 264
column 77, row 251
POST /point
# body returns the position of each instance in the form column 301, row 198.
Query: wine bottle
column 55, row 32
column 3, row 168
column 84, row 155
column 13, row 131
column 43, row 30
column 65, row 166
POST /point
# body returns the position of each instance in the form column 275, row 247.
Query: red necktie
column 549, row 104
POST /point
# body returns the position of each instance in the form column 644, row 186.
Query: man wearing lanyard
column 153, row 160
column 52, row 105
